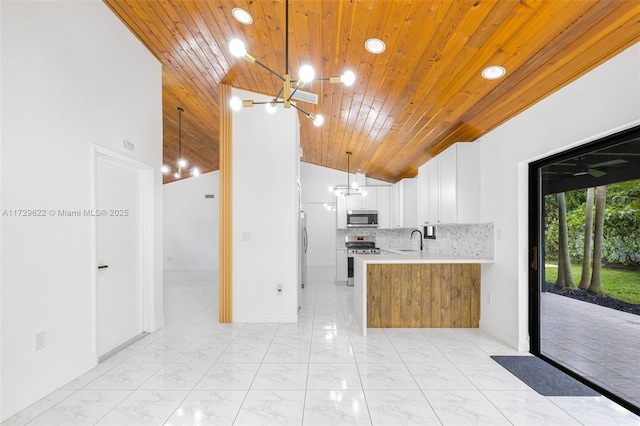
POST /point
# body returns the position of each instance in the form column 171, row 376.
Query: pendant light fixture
column 291, row 89
column 350, row 188
column 181, row 163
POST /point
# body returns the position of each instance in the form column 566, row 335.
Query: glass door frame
column 536, row 252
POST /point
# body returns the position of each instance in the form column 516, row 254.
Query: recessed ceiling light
column 375, row 46
column 493, row 72
column 242, row 16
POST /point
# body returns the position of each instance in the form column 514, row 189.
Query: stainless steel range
column 356, row 244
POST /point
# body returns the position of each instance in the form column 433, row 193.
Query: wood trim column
column 225, row 302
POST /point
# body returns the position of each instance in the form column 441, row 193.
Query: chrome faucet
column 421, row 240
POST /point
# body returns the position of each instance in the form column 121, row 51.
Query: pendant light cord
column 348, row 170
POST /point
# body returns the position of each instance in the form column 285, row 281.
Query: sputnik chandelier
column 291, row 89
column 181, row 164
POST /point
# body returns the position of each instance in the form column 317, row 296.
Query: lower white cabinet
column 341, row 264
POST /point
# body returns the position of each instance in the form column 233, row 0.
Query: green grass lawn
column 618, row 283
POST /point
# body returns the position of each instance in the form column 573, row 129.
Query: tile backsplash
column 473, row 240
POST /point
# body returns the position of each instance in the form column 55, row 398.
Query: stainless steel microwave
column 362, row 219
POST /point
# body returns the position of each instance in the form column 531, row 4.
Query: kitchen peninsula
column 417, row 289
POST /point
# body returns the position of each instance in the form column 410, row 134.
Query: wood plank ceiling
column 421, row 94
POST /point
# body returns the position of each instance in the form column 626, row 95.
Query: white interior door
column 119, row 312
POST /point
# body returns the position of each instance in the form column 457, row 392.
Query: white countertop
column 415, row 256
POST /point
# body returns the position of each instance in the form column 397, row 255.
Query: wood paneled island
column 417, row 290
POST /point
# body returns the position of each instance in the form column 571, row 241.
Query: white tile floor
column 319, row 371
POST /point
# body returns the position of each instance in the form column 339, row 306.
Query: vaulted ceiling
column 423, row 93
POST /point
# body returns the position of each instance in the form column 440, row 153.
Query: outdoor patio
column 602, row 343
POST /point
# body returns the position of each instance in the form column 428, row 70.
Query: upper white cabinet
column 354, row 202
column 447, row 170
column 409, row 195
column 384, row 207
column 423, row 199
column 364, row 202
column 394, row 209
column 450, row 186
column 404, row 200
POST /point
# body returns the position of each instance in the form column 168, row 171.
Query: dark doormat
column 543, row 377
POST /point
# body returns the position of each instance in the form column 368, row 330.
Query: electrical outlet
column 41, row 340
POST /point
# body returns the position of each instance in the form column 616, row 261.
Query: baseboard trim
column 13, row 405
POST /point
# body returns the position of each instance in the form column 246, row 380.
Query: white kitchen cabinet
column 434, row 190
column 450, row 186
column 354, row 202
column 408, row 196
column 341, row 264
column 370, row 201
column 404, row 204
column 364, row 202
column 423, row 193
column 468, row 182
column 394, row 208
column 384, row 207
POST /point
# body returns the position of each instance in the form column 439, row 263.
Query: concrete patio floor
column 601, row 344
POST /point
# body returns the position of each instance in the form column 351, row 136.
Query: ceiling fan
column 583, row 168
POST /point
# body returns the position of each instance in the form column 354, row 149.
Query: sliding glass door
column 585, row 269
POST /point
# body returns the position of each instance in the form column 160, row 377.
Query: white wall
column 602, row 102
column 321, row 223
column 72, row 75
column 191, row 223
column 265, row 153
